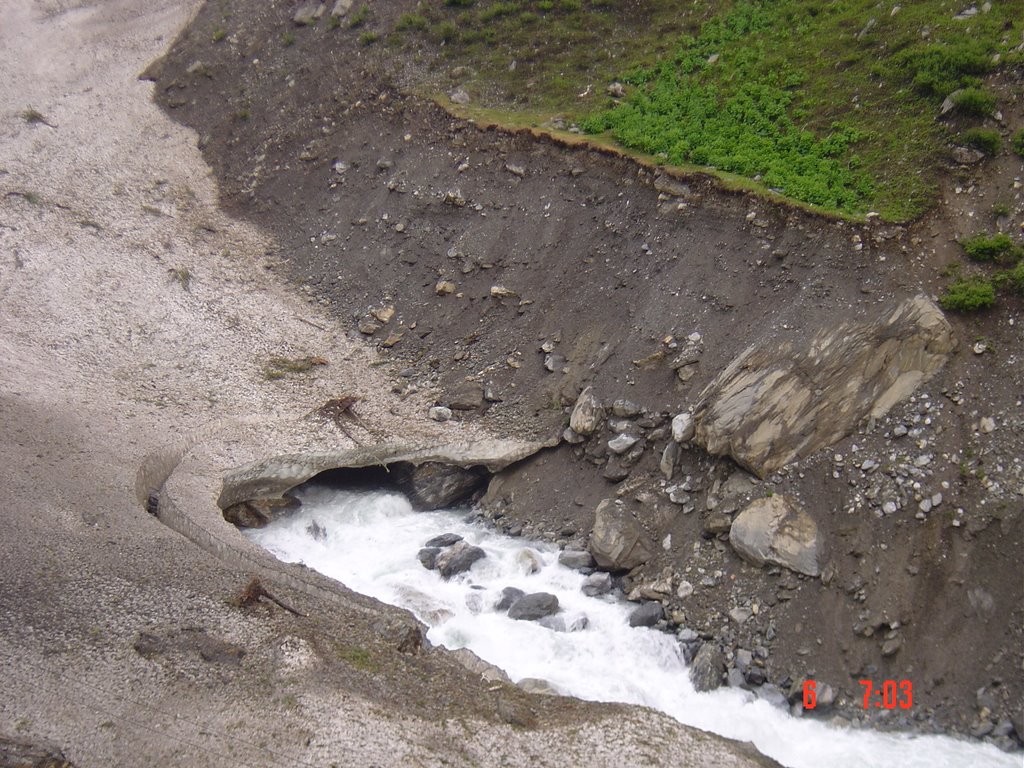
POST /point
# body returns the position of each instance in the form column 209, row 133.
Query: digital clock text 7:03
column 891, row 694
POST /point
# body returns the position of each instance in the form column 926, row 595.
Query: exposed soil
column 374, row 196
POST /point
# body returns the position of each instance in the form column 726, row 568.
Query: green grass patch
column 1011, row 280
column 983, row 139
column 834, row 104
column 970, row 295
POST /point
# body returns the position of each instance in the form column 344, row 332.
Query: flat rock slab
column 776, row 403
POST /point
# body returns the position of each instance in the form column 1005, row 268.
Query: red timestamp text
column 889, row 695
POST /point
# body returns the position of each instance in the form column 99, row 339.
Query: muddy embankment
column 506, row 274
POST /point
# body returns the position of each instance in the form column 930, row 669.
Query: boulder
column 435, row 486
column 528, row 562
column 646, row 615
column 617, row 541
column 622, row 443
column 533, row 606
column 508, row 596
column 778, row 402
column 576, row 559
column 256, row 513
column 576, row 623
column 444, row 540
column 586, row 414
column 777, row 531
column 706, row 670
column 625, row 409
column 428, row 557
column 457, row 559
column 599, row 583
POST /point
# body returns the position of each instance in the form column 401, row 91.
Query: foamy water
column 369, row 541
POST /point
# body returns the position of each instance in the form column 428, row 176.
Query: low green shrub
column 983, row 139
column 1018, row 142
column 969, row 295
column 412, row 22
column 997, row 247
column 936, row 69
column 1011, row 280
column 975, row 102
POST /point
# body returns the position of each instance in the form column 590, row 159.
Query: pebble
column 899, row 430
column 889, row 507
column 440, row 413
column 987, row 425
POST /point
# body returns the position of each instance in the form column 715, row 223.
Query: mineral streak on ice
column 369, row 541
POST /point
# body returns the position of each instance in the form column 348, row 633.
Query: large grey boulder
column 776, row 403
column 707, row 668
column 617, row 541
column 777, row 531
column 435, row 486
column 534, row 606
column 457, row 559
column 587, row 413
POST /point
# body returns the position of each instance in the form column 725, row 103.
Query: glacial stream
column 369, row 541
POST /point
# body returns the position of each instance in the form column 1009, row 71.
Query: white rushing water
column 369, row 541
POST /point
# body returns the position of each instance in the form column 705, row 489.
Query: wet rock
column 599, row 583
column 617, row 541
column 776, row 403
column 528, row 561
column 428, row 557
column 468, row 396
column 457, row 558
column 587, row 413
column 576, row 623
column 776, row 531
column 622, row 443
column 444, row 540
column 533, row 606
column 576, row 559
column 256, row 513
column 734, row 678
column 436, row 486
column 508, row 596
column 707, row 668
column 647, row 615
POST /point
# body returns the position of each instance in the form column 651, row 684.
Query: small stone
column 501, row 292
column 936, row 499
column 980, row 347
column 444, row 288
column 685, row 589
column 899, row 430
column 683, row 428
column 587, row 413
column 622, row 443
column 570, row 436
column 889, row 507
column 925, row 505
column 740, row 615
column 440, row 413
column 625, row 409
column 459, row 96
column 892, row 646
column 669, row 459
column 987, row 425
